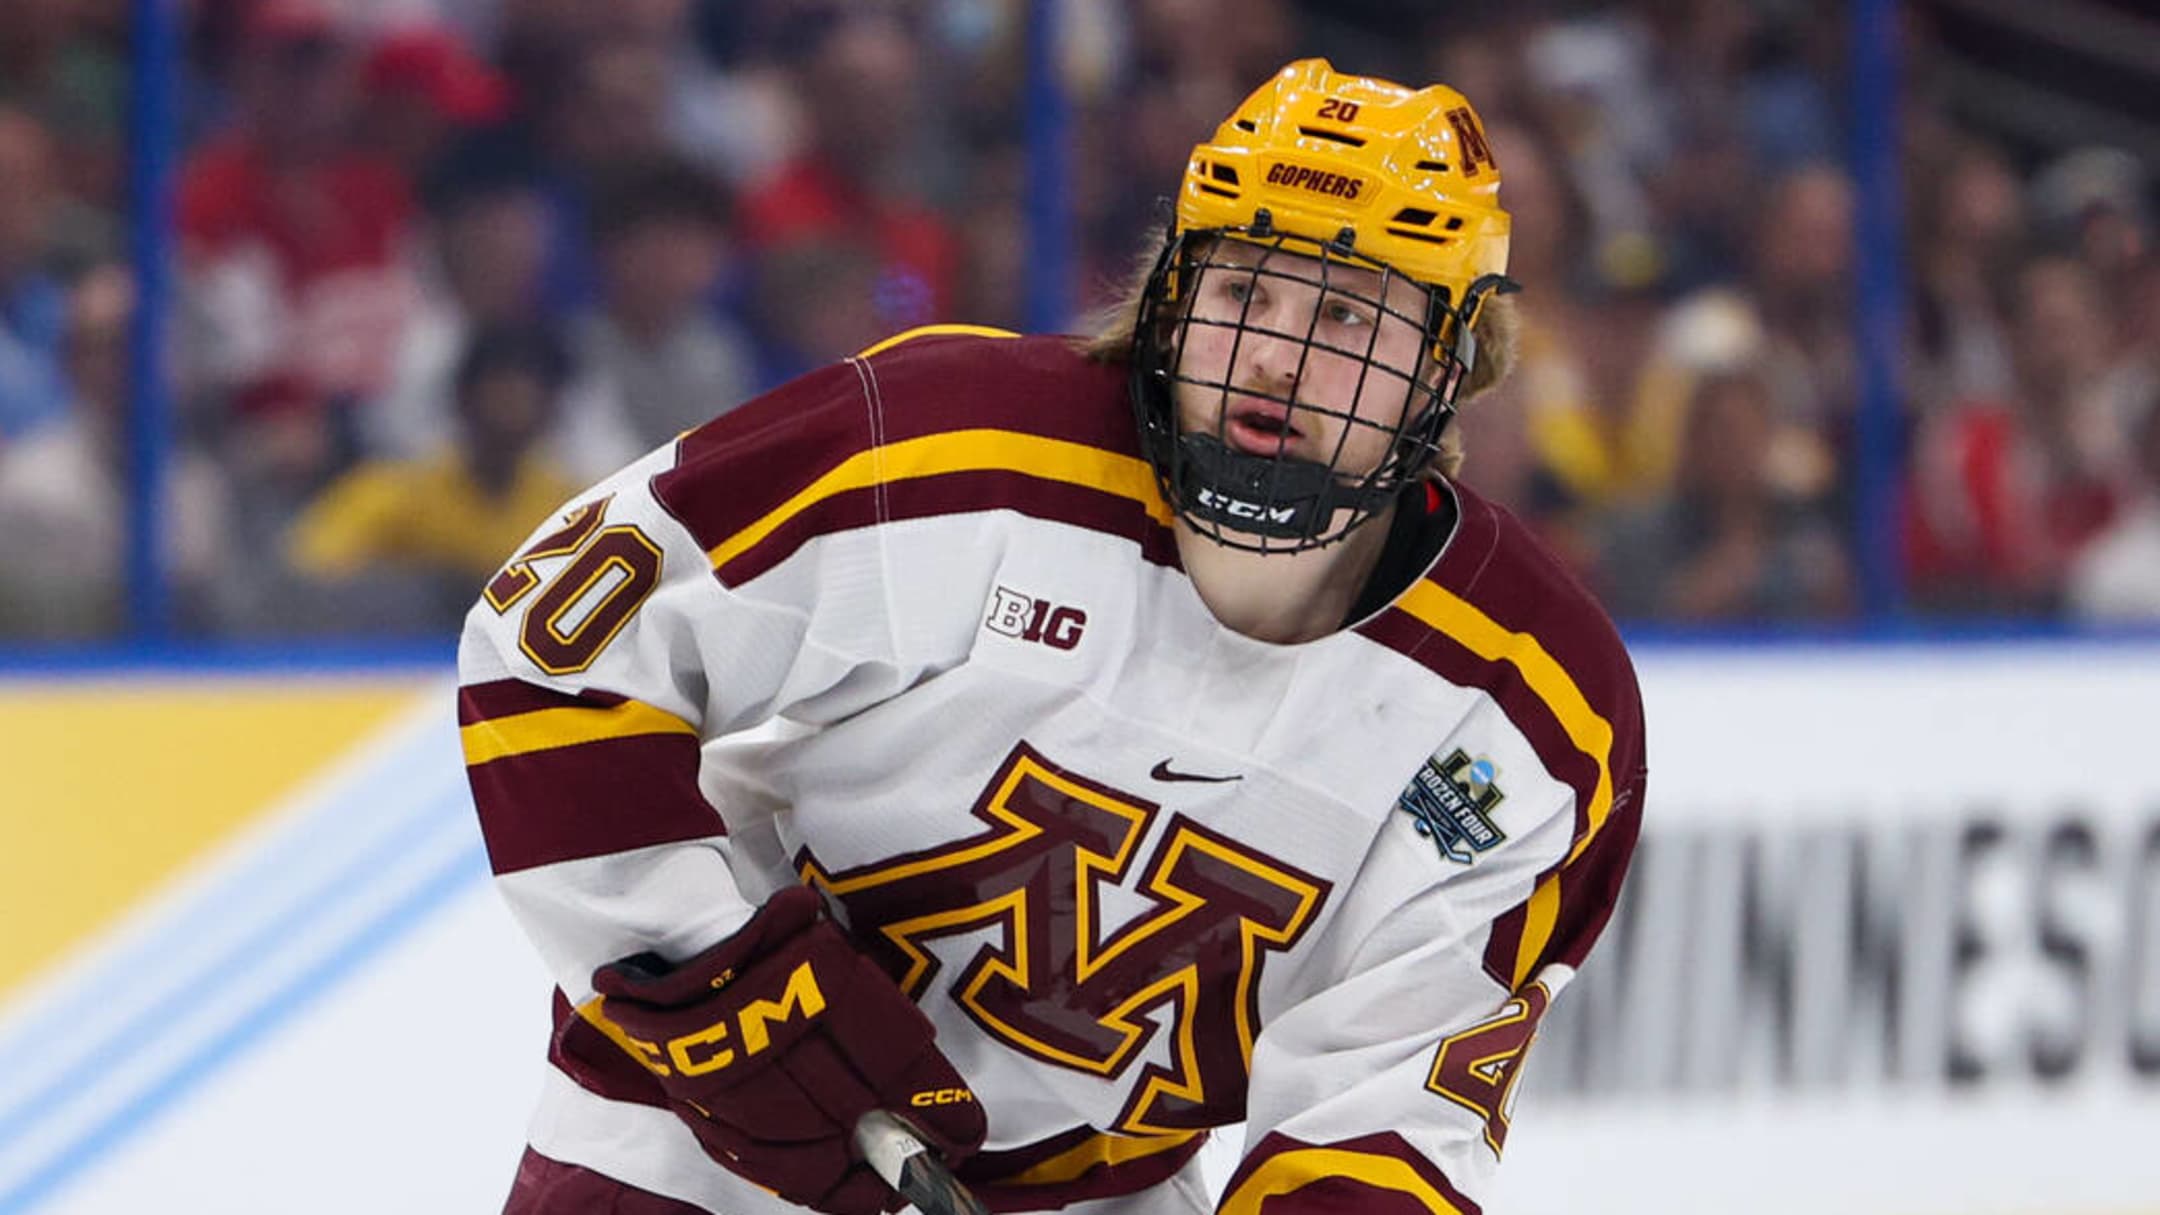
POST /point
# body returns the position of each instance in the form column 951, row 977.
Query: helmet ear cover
column 1275, row 503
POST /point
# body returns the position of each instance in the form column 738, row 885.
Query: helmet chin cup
column 1273, row 497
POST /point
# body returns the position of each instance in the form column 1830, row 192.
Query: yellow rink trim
column 108, row 789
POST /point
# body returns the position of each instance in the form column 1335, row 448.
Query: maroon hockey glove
column 773, row 1043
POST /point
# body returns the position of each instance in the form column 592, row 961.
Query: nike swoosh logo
column 1163, row 771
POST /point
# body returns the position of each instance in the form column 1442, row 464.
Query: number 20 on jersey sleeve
column 1477, row 1068
column 586, row 603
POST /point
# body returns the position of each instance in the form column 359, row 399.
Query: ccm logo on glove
column 704, row 1050
column 941, row 1096
column 773, row 1044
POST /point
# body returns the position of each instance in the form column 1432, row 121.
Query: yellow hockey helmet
column 1406, row 172
column 1325, row 172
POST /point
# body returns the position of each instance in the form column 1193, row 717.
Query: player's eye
column 1343, row 312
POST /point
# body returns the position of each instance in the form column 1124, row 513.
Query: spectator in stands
column 1573, row 420
column 408, row 542
column 1803, row 282
column 815, row 301
column 294, row 254
column 2117, row 577
column 33, row 304
column 1725, row 545
column 616, row 113
column 2073, row 369
column 995, row 266
column 594, row 105
column 863, row 169
column 62, row 62
column 2005, row 493
column 2091, row 202
column 485, row 252
column 1553, row 448
column 34, row 35
column 63, row 491
column 1790, row 320
column 1968, row 242
column 2140, row 346
column 422, row 88
column 658, row 356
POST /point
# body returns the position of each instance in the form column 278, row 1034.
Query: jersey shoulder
column 1500, row 612
column 942, row 421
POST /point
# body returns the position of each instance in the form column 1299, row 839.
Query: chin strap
column 1280, row 499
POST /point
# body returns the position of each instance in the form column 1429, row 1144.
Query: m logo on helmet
column 1475, row 151
column 1315, row 181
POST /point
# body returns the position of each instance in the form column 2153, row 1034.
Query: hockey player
column 1074, row 746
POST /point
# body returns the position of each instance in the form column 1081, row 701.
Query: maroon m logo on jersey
column 1057, row 988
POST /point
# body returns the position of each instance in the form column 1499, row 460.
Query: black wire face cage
column 1279, row 502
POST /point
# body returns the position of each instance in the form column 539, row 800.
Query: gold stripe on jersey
column 1456, row 617
column 1292, row 1171
column 1094, row 1152
column 1539, row 918
column 548, row 729
column 922, row 331
column 957, row 452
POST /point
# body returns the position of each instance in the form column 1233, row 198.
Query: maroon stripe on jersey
column 732, row 471
column 1452, row 661
column 959, row 493
column 1398, row 1181
column 839, row 513
column 1506, row 573
column 738, row 468
column 1519, row 585
column 591, row 799
column 589, row 1057
column 1496, row 565
column 1589, row 889
column 1038, row 385
column 510, row 697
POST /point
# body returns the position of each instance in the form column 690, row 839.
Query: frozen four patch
column 1451, row 801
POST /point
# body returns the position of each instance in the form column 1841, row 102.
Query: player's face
column 1273, row 364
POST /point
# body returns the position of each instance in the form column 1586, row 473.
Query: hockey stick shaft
column 909, row 1166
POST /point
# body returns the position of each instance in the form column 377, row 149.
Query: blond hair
column 1109, row 338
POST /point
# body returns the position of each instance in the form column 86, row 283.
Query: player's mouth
column 1259, row 427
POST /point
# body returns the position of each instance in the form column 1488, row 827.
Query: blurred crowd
column 442, row 262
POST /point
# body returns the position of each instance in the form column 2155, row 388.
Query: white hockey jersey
column 913, row 629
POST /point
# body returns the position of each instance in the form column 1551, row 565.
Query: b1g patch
column 1451, row 800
